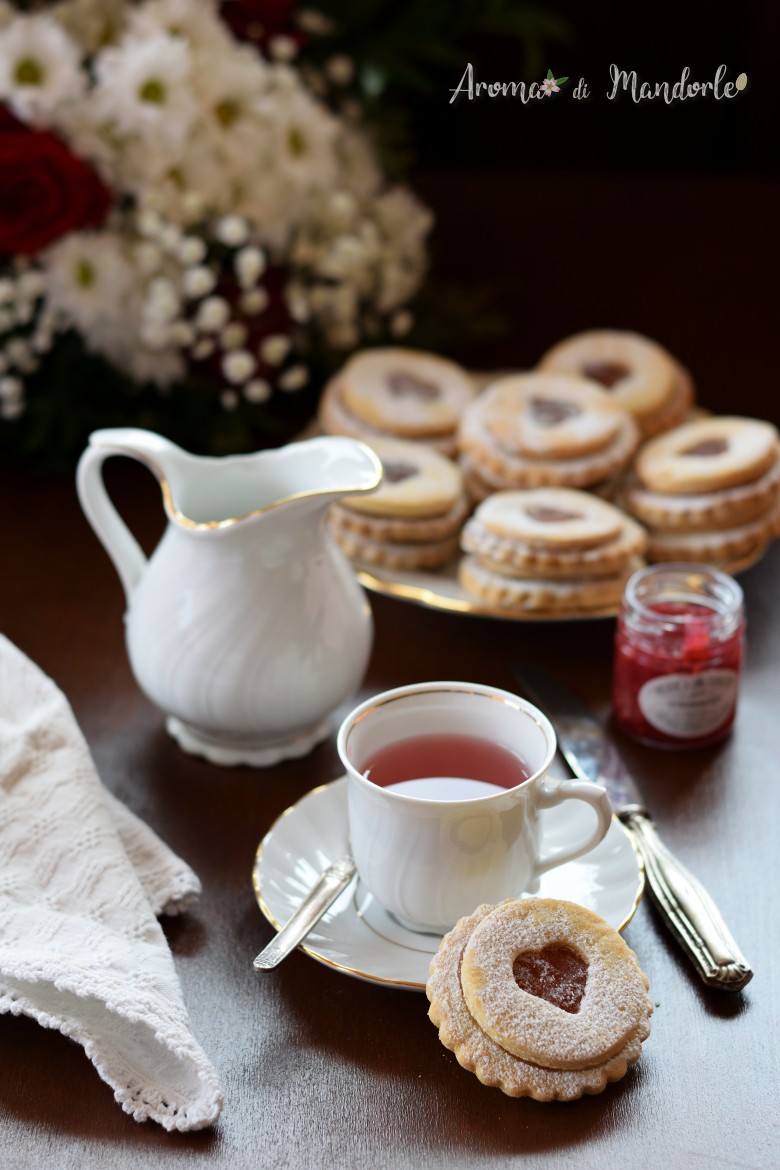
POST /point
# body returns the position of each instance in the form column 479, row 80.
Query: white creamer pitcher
column 246, row 626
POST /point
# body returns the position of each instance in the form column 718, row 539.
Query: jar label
column 689, row 705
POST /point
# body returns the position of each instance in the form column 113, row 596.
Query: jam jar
column 678, row 655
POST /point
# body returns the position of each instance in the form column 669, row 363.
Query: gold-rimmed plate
column 357, row 937
column 441, row 590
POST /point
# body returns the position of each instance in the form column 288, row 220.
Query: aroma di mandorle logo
column 623, row 82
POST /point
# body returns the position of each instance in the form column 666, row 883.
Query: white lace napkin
column 81, row 880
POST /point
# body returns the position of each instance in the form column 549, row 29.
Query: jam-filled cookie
column 702, row 511
column 413, row 520
column 510, row 593
column 549, row 548
column 530, row 430
column 398, row 392
column 539, row 998
column 708, row 454
column 639, row 373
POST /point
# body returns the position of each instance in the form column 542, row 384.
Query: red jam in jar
column 678, row 655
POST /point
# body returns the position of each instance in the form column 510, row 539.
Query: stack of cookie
column 549, row 549
column 641, row 375
column 540, row 998
column 413, row 520
column 401, row 393
column 708, row 491
column 526, row 430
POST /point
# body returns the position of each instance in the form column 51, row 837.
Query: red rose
column 45, row 189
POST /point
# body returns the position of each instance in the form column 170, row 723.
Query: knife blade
column 322, row 895
column 685, row 905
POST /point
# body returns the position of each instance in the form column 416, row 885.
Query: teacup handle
column 554, row 792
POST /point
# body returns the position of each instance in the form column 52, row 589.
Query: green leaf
column 550, row 75
column 560, row 80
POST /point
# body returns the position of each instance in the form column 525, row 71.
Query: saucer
column 359, row 938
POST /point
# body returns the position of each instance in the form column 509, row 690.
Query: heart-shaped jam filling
column 403, row 385
column 707, row 447
column 550, row 515
column 556, row 973
column 548, row 412
column 397, row 472
column 606, row 373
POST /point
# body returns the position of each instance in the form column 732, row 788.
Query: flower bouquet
column 178, row 205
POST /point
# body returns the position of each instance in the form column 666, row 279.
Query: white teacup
column 430, row 852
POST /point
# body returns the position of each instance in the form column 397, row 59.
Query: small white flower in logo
column 552, row 84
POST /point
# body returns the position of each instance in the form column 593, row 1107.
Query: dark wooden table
column 320, row 1070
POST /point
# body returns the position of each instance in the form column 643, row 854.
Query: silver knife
column 683, row 902
column 335, row 878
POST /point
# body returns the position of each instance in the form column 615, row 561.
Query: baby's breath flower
column 232, row 230
column 191, row 250
column 275, row 348
column 257, row 390
column 249, row 265
column 212, row 314
column 238, row 366
column 203, row 349
column 294, row 379
column 234, row 335
column 198, row 281
column 255, row 301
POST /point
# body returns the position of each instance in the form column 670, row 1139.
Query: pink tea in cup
column 445, row 767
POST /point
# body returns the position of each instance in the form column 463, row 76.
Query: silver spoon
column 308, row 914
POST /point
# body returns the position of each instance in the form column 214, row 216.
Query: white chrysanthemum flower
column 40, row 68
column 89, row 280
column 143, row 88
column 92, row 23
column 195, row 21
column 304, row 136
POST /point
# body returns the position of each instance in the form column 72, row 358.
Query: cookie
column 413, row 519
column 639, row 373
column 724, row 545
column 549, row 534
column 395, row 554
column 401, row 392
column 516, row 594
column 416, row 482
column 495, row 464
column 335, row 419
column 551, row 417
column 550, row 518
column 707, row 511
column 708, row 454
column 537, row 971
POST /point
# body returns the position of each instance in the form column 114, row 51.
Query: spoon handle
column 308, row 914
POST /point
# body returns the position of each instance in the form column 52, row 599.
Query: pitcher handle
column 117, row 539
column 554, row 792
